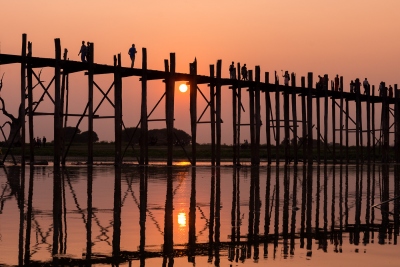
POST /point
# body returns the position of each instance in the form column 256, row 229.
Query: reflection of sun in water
column 182, row 219
column 183, row 88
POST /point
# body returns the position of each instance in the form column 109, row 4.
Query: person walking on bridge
column 244, row 73
column 366, row 86
column 132, row 53
column 232, row 71
column 83, row 51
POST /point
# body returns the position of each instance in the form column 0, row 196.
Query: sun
column 183, row 88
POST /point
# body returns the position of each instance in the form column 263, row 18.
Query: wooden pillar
column 341, row 120
column 304, row 118
column 57, row 104
column 397, row 124
column 347, row 130
column 326, row 126
column 277, row 119
column 64, row 103
column 385, row 128
column 212, row 114
column 333, row 129
column 239, row 114
column 144, row 127
column 193, row 108
column 252, row 119
column 268, row 112
column 234, row 124
column 118, row 110
column 309, row 119
column 30, row 106
column 286, row 123
column 170, row 95
column 369, row 126
column 318, row 107
column 294, row 118
column 257, row 114
column 23, row 93
column 218, row 112
column 90, row 102
column 373, row 124
column 358, row 116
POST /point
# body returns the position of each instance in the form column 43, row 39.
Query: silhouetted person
column 286, row 77
column 357, row 86
column 366, row 86
column 244, row 73
column 88, row 51
column 132, row 53
column 232, row 71
column 390, row 91
column 83, row 51
column 320, row 82
column 337, row 83
column 44, row 141
column 381, row 89
column 352, row 85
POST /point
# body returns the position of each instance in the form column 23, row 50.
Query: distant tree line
column 156, row 136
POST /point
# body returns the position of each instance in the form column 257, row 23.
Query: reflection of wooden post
column 143, row 208
column 118, row 110
column 89, row 193
column 218, row 112
column 90, row 100
column 294, row 117
column 192, row 218
column 170, row 86
column 193, row 108
column 212, row 114
column 22, row 105
column 169, row 220
column 116, row 241
column 30, row 106
column 268, row 112
column 309, row 118
column 144, row 130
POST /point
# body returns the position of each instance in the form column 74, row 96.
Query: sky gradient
column 355, row 39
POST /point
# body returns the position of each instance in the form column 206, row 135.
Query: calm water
column 184, row 216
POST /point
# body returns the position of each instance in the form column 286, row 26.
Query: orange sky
column 350, row 38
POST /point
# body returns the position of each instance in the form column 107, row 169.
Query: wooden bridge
column 307, row 146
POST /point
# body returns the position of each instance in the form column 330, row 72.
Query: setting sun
column 183, row 88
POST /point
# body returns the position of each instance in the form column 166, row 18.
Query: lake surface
column 339, row 215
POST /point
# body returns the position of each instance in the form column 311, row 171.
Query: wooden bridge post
column 239, row 115
column 397, row 124
column 257, row 114
column 347, row 130
column 304, row 118
column 57, row 104
column 318, row 108
column 268, row 113
column 373, row 124
column 170, row 95
column 369, row 126
column 193, row 109
column 218, row 112
column 252, row 120
column 385, row 128
column 234, row 124
column 144, row 126
column 286, row 123
column 309, row 118
column 22, row 104
column 294, row 118
column 90, row 100
column 212, row 114
column 277, row 119
column 341, row 120
column 30, row 106
column 118, row 110
column 325, row 125
column 358, row 116
column 333, row 127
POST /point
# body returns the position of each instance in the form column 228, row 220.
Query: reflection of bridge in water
column 286, row 208
column 345, row 115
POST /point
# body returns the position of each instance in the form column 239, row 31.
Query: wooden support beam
column 90, row 101
column 257, row 115
column 304, row 118
column 144, row 159
column 294, row 119
column 252, row 119
column 268, row 113
column 373, row 124
column 326, row 111
column 218, row 112
column 30, row 107
column 397, row 124
column 57, row 105
column 333, row 129
column 341, row 119
column 170, row 95
column 277, row 117
column 118, row 111
column 212, row 115
column 23, row 94
column 235, row 143
column 193, row 109
column 286, row 123
column 310, row 119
